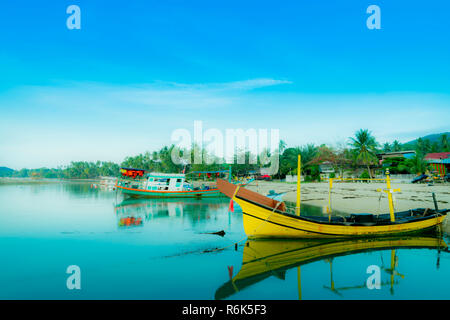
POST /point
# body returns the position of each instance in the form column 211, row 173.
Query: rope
column 233, row 244
column 275, row 208
column 394, row 201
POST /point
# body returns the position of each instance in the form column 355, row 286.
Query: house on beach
column 440, row 162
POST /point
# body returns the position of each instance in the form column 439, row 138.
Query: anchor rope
column 275, row 208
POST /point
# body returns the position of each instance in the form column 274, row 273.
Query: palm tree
column 444, row 142
column 288, row 160
column 396, row 146
column 308, row 152
column 417, row 164
column 364, row 145
column 281, row 146
column 423, row 146
column 387, row 147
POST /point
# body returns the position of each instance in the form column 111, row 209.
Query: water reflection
column 263, row 259
column 134, row 212
column 150, row 238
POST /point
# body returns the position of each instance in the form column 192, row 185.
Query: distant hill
column 6, row 172
column 432, row 137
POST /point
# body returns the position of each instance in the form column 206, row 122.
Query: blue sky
column 138, row 70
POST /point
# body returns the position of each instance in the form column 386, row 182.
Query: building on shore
column 326, row 168
column 408, row 154
column 440, row 162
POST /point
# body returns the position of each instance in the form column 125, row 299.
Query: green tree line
column 359, row 151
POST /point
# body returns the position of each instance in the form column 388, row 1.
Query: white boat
column 166, row 185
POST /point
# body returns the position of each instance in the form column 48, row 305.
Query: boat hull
column 141, row 193
column 260, row 222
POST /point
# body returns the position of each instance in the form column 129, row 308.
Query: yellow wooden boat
column 264, row 217
column 262, row 259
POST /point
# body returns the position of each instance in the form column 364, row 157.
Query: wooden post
column 329, row 199
column 435, row 202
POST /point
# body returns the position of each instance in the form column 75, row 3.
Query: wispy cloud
column 158, row 94
column 252, row 84
column 53, row 125
column 243, row 85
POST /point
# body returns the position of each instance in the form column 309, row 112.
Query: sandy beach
column 361, row 197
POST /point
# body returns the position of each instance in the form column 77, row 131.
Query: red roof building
column 440, row 161
column 437, row 156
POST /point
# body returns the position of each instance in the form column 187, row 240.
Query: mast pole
column 299, row 284
column 329, row 199
column 389, row 193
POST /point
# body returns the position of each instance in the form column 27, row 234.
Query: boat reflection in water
column 135, row 212
column 265, row 258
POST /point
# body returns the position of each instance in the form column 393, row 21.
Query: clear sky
column 138, row 70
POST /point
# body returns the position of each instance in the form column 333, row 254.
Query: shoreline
column 17, row 180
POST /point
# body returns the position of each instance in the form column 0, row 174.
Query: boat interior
column 368, row 219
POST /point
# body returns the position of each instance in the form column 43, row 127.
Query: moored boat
column 166, row 185
column 264, row 217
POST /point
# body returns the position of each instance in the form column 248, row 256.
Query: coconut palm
column 364, row 145
column 444, row 142
column 289, row 158
column 417, row 164
column 396, row 146
column 281, row 146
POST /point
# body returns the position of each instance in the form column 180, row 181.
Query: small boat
column 276, row 196
column 262, row 259
column 166, row 185
column 264, row 217
column 419, row 178
column 137, row 183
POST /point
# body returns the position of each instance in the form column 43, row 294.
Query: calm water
column 156, row 249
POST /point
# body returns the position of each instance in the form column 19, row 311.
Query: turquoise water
column 162, row 249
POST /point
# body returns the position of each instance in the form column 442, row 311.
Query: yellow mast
column 299, row 166
column 297, row 211
column 392, row 269
column 299, row 284
column 389, row 192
